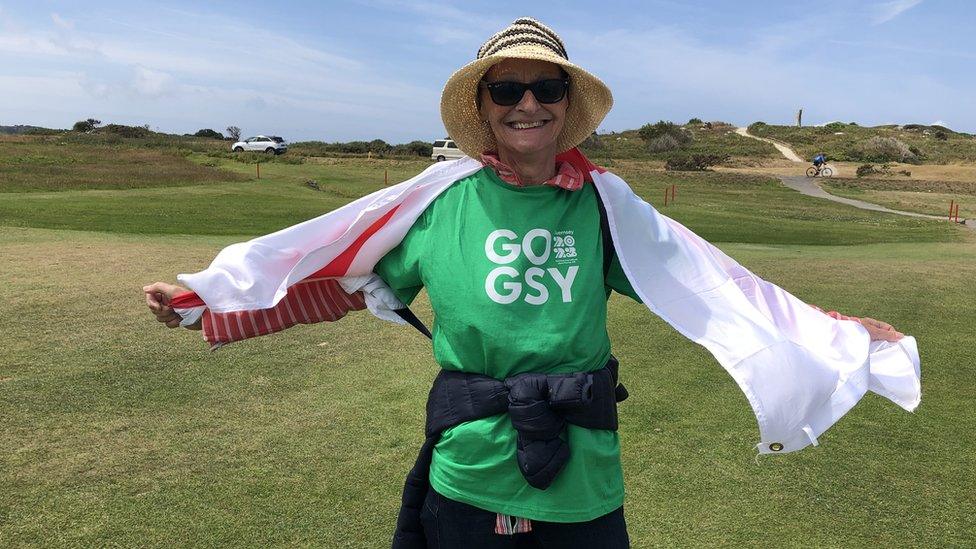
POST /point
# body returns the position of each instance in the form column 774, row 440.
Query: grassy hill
column 850, row 142
column 713, row 138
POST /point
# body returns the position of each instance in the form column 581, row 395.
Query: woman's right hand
column 158, row 297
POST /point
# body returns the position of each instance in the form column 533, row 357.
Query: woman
column 516, row 255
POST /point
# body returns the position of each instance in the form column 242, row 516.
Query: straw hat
column 589, row 98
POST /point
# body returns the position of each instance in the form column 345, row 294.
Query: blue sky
column 375, row 68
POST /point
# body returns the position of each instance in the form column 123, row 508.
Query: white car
column 261, row 143
column 445, row 149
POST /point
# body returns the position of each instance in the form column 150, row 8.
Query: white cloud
column 152, row 83
column 886, row 11
column 940, row 122
column 61, row 22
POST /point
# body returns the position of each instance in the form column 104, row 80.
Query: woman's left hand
column 880, row 330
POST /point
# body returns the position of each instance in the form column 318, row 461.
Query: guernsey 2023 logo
column 505, row 284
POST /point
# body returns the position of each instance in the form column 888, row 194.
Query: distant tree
column 378, row 146
column 208, row 133
column 234, row 133
column 694, row 121
column 86, row 126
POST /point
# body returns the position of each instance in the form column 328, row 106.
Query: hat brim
column 589, row 102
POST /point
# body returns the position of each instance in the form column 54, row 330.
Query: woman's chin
column 529, row 146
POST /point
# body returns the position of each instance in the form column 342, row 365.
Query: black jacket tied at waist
column 540, row 406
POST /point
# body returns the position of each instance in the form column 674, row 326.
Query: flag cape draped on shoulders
column 800, row 369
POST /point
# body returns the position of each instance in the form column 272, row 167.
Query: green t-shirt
column 515, row 280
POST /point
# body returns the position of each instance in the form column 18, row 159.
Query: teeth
column 527, row 125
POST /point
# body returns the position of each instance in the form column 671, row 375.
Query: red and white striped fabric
column 308, row 302
column 800, row 369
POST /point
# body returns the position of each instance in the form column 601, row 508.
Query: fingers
column 881, row 331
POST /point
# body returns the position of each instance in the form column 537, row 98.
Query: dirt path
column 789, row 153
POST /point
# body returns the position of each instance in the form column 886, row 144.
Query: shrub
column 86, row 126
column 413, row 148
column 886, row 149
column 647, row 132
column 852, row 123
column 233, row 132
column 592, row 142
column 866, row 170
column 125, row 131
column 693, row 162
column 835, row 126
column 211, row 134
column 941, row 135
column 663, row 143
column 694, row 121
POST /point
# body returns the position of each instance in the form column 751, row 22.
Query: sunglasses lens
column 549, row 91
column 506, row 94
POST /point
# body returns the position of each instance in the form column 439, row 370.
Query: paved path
column 806, row 185
column 809, row 186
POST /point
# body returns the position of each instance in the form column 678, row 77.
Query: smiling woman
column 519, row 247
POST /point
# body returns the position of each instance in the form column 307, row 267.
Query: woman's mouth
column 526, row 125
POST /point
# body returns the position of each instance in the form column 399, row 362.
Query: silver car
column 261, row 143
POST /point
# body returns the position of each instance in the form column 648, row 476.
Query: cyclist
column 819, row 161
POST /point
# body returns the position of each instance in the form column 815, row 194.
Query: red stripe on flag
column 339, row 265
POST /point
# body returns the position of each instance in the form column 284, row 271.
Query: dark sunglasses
column 547, row 91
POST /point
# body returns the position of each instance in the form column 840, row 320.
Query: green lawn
column 117, row 431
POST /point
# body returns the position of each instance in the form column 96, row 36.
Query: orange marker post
column 258, row 166
column 386, row 177
column 952, row 204
column 665, row 196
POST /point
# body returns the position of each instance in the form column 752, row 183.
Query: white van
column 445, row 149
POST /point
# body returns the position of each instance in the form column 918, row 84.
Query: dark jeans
column 450, row 524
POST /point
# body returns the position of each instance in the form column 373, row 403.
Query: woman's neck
column 532, row 169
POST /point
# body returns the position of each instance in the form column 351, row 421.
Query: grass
column 49, row 165
column 720, row 206
column 840, row 142
column 928, row 197
column 117, row 431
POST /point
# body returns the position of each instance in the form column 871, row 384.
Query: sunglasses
column 547, row 91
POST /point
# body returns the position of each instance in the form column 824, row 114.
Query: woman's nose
column 528, row 102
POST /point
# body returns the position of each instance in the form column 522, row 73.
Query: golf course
column 117, row 431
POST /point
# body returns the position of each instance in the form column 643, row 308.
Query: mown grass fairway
column 117, row 431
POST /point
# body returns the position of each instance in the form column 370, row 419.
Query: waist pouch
column 540, row 406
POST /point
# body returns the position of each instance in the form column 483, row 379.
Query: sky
column 366, row 69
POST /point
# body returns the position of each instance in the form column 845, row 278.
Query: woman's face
column 528, row 127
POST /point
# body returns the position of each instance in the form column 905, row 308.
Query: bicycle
column 823, row 171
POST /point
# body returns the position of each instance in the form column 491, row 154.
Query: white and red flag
column 800, row 369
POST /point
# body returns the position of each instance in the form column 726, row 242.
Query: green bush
column 211, row 134
column 885, row 149
column 647, row 132
column 694, row 121
column 663, row 143
column 86, row 126
column 128, row 132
